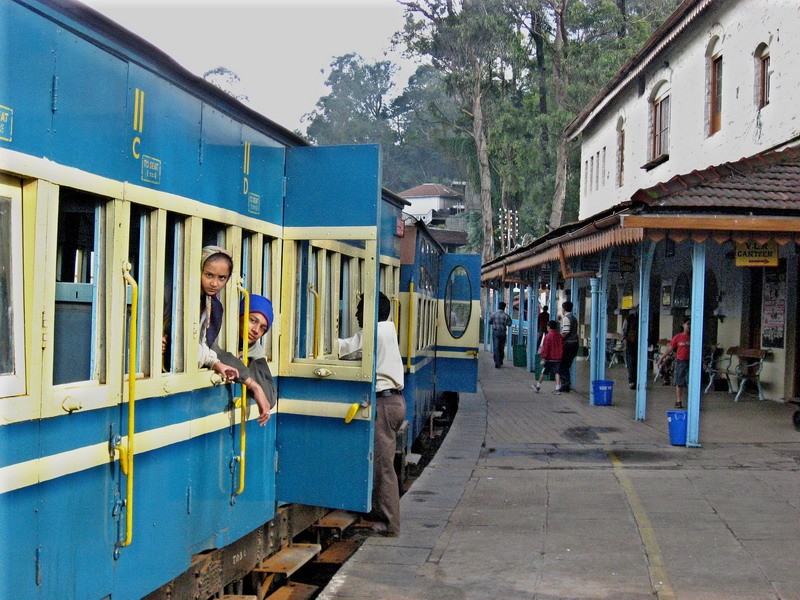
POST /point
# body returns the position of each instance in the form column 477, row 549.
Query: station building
column 689, row 206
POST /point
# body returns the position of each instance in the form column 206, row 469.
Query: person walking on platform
column 569, row 333
column 551, row 351
column 630, row 334
column 680, row 346
column 500, row 322
column 541, row 325
column 390, row 411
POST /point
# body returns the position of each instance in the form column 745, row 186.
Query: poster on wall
column 773, row 307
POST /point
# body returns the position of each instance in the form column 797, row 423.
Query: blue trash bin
column 602, row 390
column 677, row 427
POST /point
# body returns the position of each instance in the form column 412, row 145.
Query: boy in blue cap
column 256, row 376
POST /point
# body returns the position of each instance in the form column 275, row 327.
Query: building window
column 716, row 95
column 763, row 74
column 603, row 179
column 660, row 138
column 597, row 171
column 591, row 172
column 620, row 153
column 586, row 177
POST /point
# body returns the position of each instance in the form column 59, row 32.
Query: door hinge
column 45, row 331
column 276, row 461
column 285, row 185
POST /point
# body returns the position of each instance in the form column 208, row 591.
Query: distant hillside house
column 432, row 203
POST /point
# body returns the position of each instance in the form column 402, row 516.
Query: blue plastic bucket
column 677, row 427
column 602, row 390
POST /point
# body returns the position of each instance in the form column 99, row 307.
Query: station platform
column 544, row 497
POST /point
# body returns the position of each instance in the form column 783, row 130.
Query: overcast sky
column 281, row 49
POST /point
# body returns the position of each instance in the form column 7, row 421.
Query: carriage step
column 337, row 519
column 289, row 559
column 293, row 591
column 338, row 552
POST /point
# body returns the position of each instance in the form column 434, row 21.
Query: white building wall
column 745, row 130
column 422, row 206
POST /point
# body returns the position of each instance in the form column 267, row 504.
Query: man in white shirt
column 390, row 411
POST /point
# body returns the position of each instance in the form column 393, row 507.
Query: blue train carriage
column 116, row 167
column 439, row 323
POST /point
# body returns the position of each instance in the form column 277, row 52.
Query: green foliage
column 502, row 52
column 357, row 109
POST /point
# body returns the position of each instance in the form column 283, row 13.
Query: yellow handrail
column 410, row 329
column 126, row 454
column 244, row 334
column 396, row 301
column 317, row 311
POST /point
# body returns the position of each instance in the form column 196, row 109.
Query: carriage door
column 459, row 319
column 330, row 258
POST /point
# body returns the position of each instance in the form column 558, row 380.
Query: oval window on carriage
column 457, row 301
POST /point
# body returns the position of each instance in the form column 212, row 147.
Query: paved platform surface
column 545, row 497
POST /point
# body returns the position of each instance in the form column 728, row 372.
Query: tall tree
column 467, row 44
column 357, row 108
column 429, row 148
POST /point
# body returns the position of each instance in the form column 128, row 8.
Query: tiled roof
column 430, row 189
column 764, row 182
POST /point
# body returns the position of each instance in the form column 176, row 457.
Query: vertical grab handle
column 243, row 400
column 317, row 311
column 126, row 453
column 410, row 329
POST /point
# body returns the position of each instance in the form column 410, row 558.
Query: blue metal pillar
column 554, row 308
column 520, row 295
column 646, row 252
column 532, row 303
column 487, row 332
column 508, row 298
column 573, row 297
column 595, row 354
column 696, row 343
column 602, row 317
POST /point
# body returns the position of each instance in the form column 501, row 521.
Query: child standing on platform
column 680, row 346
column 551, row 351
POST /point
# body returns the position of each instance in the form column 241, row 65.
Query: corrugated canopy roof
column 756, row 197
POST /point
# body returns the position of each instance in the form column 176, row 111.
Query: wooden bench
column 748, row 366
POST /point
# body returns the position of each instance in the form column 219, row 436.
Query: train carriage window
column 12, row 359
column 331, row 294
column 140, row 248
column 304, row 282
column 457, row 301
column 246, row 262
column 174, row 302
column 346, row 320
column 328, row 276
column 267, row 290
column 80, row 266
column 214, row 235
